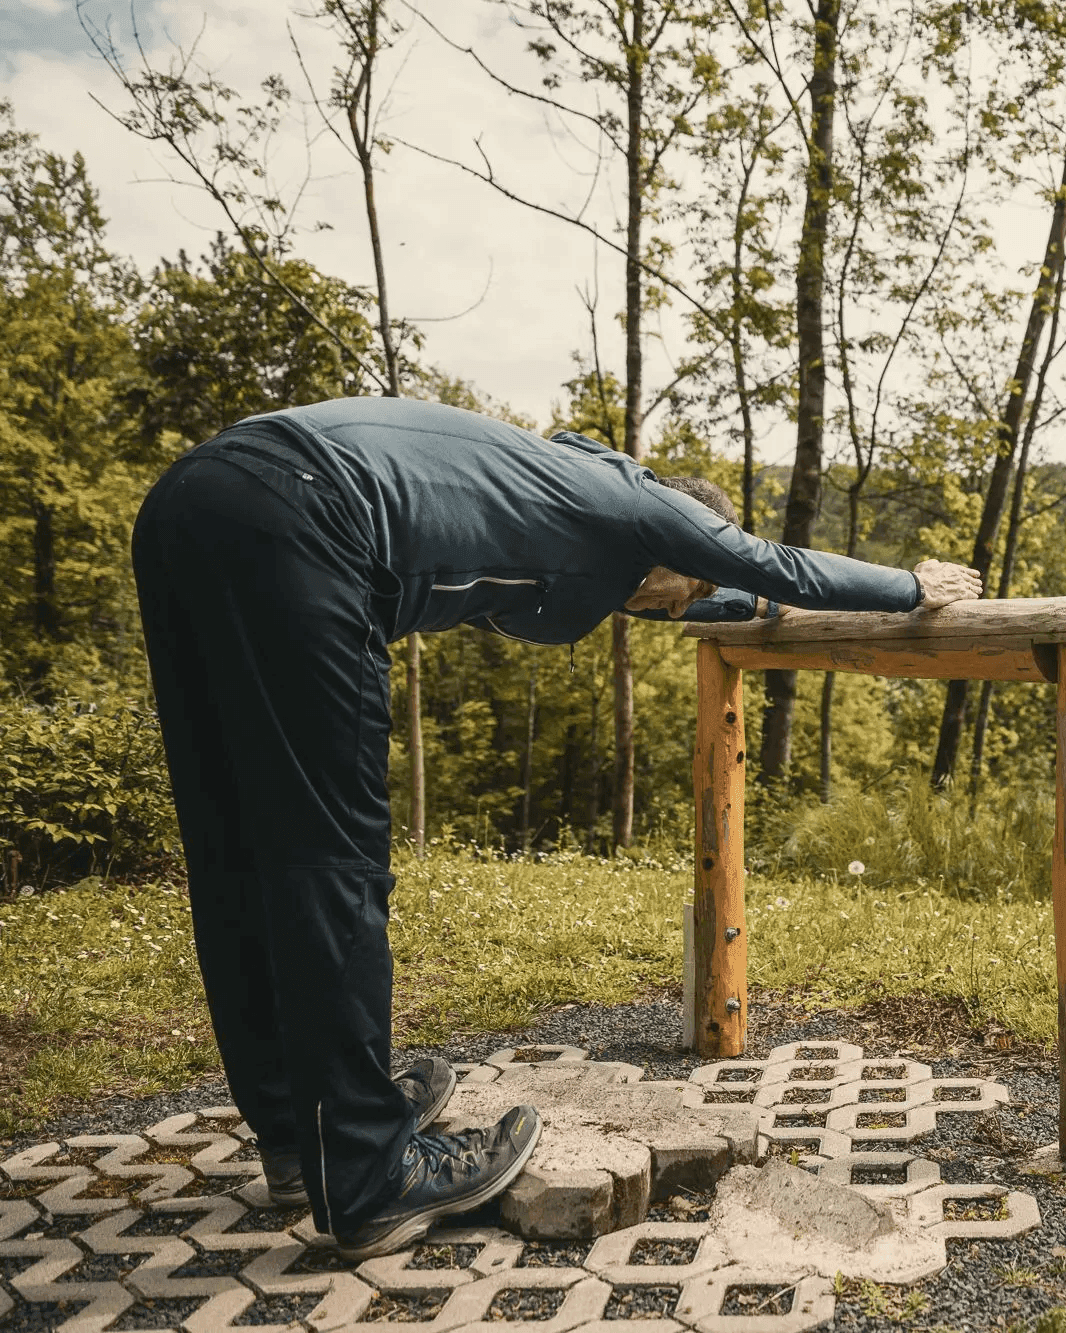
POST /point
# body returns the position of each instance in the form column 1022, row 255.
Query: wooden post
column 719, row 935
column 1058, row 889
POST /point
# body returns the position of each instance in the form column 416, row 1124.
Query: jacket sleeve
column 576, row 441
column 724, row 604
column 681, row 534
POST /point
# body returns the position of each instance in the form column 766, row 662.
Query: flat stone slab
column 609, row 1145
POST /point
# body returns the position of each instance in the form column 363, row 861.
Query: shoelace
column 437, row 1147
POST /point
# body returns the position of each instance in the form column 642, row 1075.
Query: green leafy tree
column 72, row 466
column 736, row 225
column 219, row 343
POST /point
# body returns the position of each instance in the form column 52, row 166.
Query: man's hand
column 943, row 583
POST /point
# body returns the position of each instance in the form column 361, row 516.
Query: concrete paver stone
column 807, row 1205
column 546, row 1055
column 783, row 1216
column 633, row 1326
column 1021, row 1211
column 585, row 1300
column 612, row 1143
column 827, row 1142
column 813, row 1304
column 166, row 1178
column 547, row 1204
column 611, row 1256
column 920, row 1173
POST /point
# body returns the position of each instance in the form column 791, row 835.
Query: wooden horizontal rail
column 1009, row 639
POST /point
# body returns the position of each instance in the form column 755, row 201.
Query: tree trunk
column 743, row 394
column 45, row 610
column 527, row 768
column 383, row 300
column 954, row 717
column 414, row 743
column 829, row 683
column 805, row 492
column 360, row 105
column 594, row 766
column 736, row 339
column 569, row 773
column 623, row 673
column 362, row 136
column 623, row 732
column 825, row 752
column 1015, row 524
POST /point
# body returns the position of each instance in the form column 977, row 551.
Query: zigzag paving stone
column 172, row 1228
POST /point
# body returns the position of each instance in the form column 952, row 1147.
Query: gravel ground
column 987, row 1285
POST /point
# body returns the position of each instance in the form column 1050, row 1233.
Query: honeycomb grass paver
column 920, row 1173
column 498, row 1250
column 585, row 1300
column 632, row 1326
column 106, row 1199
column 39, row 1283
column 700, row 1306
column 1023, row 1214
column 166, row 1177
column 610, row 1258
column 561, row 1055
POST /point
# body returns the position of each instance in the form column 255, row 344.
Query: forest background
column 809, row 191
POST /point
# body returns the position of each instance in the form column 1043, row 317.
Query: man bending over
column 274, row 565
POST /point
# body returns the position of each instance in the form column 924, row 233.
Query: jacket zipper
column 462, row 587
column 505, row 635
column 509, row 583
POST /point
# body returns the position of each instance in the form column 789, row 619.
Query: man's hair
column 706, row 492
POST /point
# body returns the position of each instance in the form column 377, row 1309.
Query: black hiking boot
column 427, row 1085
column 443, row 1174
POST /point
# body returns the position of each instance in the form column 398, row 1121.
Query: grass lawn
column 100, row 994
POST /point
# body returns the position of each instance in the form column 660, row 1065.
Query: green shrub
column 908, row 834
column 84, row 790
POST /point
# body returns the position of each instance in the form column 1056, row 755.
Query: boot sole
column 417, row 1224
column 297, row 1198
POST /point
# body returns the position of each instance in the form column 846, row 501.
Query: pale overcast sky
column 447, row 237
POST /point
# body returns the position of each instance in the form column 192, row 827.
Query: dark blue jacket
column 475, row 521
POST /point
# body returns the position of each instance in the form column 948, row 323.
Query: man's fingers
column 943, row 582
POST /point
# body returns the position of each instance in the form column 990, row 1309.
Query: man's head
column 706, row 492
column 675, row 593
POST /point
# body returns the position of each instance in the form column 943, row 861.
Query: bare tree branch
column 152, row 123
column 551, row 102
column 489, row 178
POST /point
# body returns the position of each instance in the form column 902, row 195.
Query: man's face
column 665, row 590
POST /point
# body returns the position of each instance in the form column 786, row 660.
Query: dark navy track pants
column 270, row 668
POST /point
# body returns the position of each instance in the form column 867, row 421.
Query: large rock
column 783, row 1219
column 807, row 1205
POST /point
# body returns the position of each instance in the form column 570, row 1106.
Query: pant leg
column 270, row 669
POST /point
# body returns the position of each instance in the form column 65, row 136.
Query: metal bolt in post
column 732, row 933
column 732, row 1005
